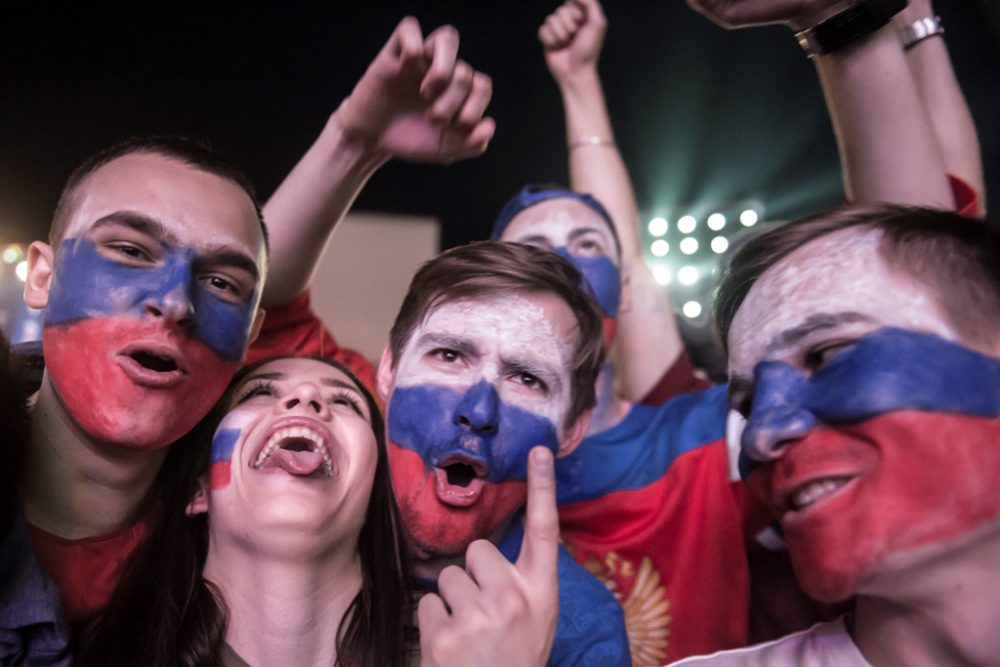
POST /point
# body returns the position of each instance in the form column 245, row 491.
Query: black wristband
column 855, row 22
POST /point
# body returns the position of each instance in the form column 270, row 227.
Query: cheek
column 231, row 431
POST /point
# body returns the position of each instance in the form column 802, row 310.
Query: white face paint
column 563, row 223
column 836, row 287
column 523, row 345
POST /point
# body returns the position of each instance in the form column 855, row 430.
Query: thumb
column 540, row 546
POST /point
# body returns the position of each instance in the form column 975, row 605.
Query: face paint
column 892, row 444
column 463, row 418
column 229, row 432
column 136, row 353
column 603, row 279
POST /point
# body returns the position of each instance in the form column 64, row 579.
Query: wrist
column 338, row 143
column 848, row 27
column 581, row 80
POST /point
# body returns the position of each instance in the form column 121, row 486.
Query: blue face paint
column 604, row 280
column 889, row 370
column 437, row 422
column 88, row 285
column 223, row 442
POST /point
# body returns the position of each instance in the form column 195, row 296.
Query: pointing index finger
column 540, row 548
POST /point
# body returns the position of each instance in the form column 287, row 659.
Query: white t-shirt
column 822, row 645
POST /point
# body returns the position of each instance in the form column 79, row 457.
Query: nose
column 778, row 417
column 478, row 411
column 307, row 398
column 173, row 303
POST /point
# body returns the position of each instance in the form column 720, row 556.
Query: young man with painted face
column 494, row 351
column 864, row 354
column 151, row 283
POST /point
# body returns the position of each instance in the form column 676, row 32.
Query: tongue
column 294, row 463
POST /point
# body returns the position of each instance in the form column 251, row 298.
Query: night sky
column 704, row 117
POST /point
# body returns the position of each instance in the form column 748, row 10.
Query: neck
column 944, row 614
column 74, row 487
column 610, row 409
column 283, row 610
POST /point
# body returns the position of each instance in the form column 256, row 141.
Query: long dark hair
column 164, row 613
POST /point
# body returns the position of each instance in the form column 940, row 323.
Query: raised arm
column 648, row 341
column 949, row 113
column 887, row 147
column 416, row 101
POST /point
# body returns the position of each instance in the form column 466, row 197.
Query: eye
column 346, row 399
column 588, row 246
column 222, row 287
column 447, row 355
column 255, row 389
column 531, row 382
column 129, row 253
column 821, row 355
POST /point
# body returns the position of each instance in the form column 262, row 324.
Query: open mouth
column 459, row 480
column 814, row 491
column 152, row 365
column 154, row 362
column 298, row 450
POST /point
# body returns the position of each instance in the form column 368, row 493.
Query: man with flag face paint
column 495, row 350
column 150, row 287
column 865, row 356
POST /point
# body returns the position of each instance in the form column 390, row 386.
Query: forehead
column 199, row 208
column 530, row 324
column 295, row 370
column 555, row 219
column 840, row 277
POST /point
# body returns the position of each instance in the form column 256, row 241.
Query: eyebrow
column 336, row 382
column 812, row 324
column 230, row 257
column 538, row 369
column 462, row 345
column 140, row 223
column 583, row 231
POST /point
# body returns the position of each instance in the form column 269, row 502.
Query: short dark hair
column 957, row 257
column 489, row 268
column 182, row 149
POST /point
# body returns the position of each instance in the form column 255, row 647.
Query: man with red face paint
column 495, row 350
column 865, row 357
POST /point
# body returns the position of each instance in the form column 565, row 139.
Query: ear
column 199, row 504
column 383, row 377
column 258, row 323
column 41, row 263
column 625, row 300
column 574, row 434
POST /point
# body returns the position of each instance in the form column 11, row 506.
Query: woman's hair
column 165, row 613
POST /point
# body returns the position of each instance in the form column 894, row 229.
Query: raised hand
column 418, row 101
column 796, row 14
column 495, row 612
column 572, row 37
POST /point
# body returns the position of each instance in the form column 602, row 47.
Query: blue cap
column 536, row 194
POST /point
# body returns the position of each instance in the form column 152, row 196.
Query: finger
column 547, row 37
column 457, row 589
column 431, row 613
column 475, row 142
column 559, row 33
column 407, row 42
column 476, row 102
column 441, row 50
column 489, row 568
column 591, row 9
column 571, row 16
column 540, row 548
column 455, row 94
column 565, row 24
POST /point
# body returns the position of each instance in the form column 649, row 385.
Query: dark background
column 704, row 117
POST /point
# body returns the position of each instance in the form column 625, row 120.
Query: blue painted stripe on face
column 223, row 442
column 603, row 278
column 886, row 371
column 438, row 422
column 89, row 285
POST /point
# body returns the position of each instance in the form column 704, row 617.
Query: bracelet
column 919, row 30
column 591, row 141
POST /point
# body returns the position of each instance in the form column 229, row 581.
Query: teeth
column 813, row 491
column 317, row 444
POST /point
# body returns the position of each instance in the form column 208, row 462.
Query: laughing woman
column 283, row 550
